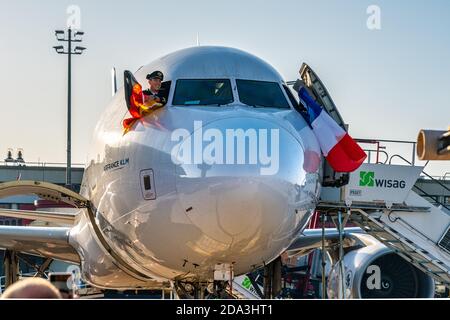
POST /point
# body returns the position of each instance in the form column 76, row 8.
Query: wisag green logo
column 366, row 178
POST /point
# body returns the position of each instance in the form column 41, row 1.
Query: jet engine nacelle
column 433, row 145
column 375, row 271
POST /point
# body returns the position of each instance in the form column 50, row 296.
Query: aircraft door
column 320, row 93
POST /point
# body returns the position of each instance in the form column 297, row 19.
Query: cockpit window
column 201, row 92
column 261, row 94
column 165, row 89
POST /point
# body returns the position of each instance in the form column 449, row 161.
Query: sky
column 388, row 82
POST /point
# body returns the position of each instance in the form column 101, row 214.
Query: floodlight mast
column 61, row 36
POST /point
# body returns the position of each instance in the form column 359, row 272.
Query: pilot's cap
column 155, row 75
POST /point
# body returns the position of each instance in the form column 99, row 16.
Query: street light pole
column 69, row 52
column 69, row 111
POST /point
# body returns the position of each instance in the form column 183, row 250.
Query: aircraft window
column 191, row 92
column 261, row 94
column 147, row 184
column 165, row 89
column 298, row 106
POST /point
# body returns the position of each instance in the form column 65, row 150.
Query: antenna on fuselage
column 198, row 40
column 113, row 81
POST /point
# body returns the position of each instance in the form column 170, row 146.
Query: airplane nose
column 240, row 147
column 240, row 181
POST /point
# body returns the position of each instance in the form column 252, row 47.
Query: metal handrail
column 399, row 156
column 381, row 140
column 429, row 176
column 433, row 179
column 377, row 141
column 443, row 178
column 378, row 151
column 424, row 194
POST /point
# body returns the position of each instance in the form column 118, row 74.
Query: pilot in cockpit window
column 154, row 93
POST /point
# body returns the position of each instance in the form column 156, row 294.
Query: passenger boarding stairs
column 379, row 199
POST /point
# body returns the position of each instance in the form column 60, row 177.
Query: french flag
column 340, row 150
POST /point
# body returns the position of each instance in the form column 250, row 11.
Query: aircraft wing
column 52, row 242
column 52, row 217
column 311, row 239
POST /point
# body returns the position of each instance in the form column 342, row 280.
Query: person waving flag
column 341, row 151
column 137, row 106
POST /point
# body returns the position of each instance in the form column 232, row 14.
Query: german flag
column 134, row 98
column 135, row 101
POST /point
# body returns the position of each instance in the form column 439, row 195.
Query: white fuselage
column 173, row 220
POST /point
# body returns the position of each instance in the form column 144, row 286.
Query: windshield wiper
column 256, row 105
column 218, row 104
column 263, row 106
